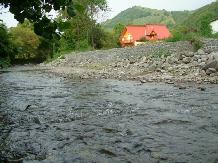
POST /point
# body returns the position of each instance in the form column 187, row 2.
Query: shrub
column 197, row 44
column 82, row 45
column 4, row 62
column 142, row 39
column 191, row 36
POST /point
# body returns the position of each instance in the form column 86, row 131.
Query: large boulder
column 211, row 64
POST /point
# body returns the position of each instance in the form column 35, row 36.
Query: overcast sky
column 120, row 5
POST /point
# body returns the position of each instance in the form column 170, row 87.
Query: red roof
column 138, row 31
column 160, row 29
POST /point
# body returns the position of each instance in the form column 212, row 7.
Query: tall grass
column 179, row 36
column 191, row 36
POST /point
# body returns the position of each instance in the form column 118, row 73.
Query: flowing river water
column 51, row 119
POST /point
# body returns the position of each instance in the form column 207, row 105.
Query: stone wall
column 210, row 45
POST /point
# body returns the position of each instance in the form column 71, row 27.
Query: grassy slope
column 141, row 15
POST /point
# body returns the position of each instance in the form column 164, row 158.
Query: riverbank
column 152, row 62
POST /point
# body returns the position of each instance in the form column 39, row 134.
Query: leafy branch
column 37, row 12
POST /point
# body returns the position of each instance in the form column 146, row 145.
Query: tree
column 68, row 40
column 26, row 24
column 46, row 49
column 26, row 41
column 109, row 40
column 83, row 25
column 93, row 8
column 97, row 40
column 37, row 12
column 205, row 27
column 7, row 49
column 118, row 29
column 76, row 33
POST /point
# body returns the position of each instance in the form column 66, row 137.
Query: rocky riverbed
column 152, row 62
column 51, row 119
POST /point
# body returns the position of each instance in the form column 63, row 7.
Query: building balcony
column 125, row 41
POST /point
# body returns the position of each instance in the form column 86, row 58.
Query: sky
column 169, row 5
column 121, row 5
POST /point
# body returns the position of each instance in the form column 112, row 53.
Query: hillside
column 141, row 15
column 193, row 20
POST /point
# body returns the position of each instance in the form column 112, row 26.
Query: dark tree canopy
column 37, row 12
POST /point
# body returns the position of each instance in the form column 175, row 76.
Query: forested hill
column 194, row 19
column 141, row 15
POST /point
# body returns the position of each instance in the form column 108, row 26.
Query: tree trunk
column 78, row 36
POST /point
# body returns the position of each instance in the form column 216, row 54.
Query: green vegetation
column 141, row 15
column 7, row 49
column 37, row 12
column 142, row 39
column 195, row 19
column 194, row 33
column 192, row 37
column 162, row 52
column 196, row 26
column 38, row 38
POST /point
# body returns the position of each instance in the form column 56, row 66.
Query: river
column 51, row 119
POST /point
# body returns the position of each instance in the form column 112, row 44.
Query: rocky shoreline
column 153, row 62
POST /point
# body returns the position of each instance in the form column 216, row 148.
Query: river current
column 51, row 119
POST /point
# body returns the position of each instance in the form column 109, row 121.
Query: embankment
column 152, row 62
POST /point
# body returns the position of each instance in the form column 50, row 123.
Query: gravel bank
column 152, row 62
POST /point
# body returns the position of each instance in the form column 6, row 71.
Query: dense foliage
column 40, row 37
column 7, row 49
column 26, row 41
column 37, row 12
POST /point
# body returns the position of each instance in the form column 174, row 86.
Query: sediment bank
column 152, row 62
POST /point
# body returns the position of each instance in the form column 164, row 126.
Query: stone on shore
column 177, row 59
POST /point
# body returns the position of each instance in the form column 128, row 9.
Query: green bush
column 197, row 44
column 175, row 37
column 142, row 39
column 83, row 45
column 162, row 52
column 4, row 62
column 191, row 36
column 179, row 36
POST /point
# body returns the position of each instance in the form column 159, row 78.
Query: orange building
column 133, row 33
